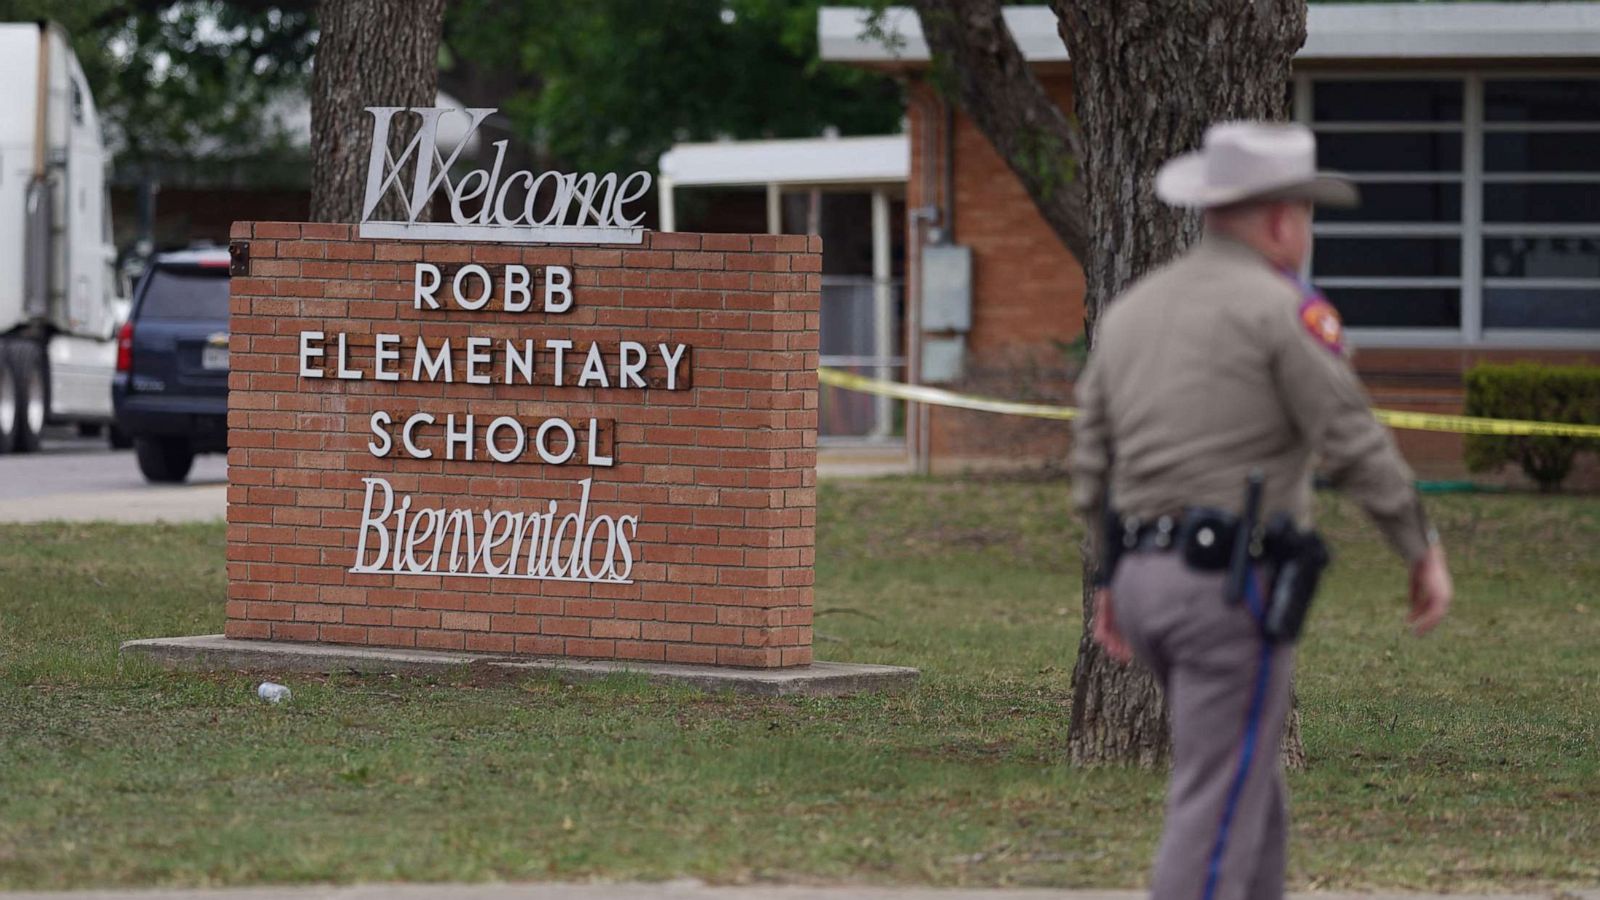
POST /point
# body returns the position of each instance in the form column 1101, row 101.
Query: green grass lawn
column 1468, row 760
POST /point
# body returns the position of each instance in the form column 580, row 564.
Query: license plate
column 214, row 357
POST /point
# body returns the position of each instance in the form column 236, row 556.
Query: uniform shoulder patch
column 1321, row 319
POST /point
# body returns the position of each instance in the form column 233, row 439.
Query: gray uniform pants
column 1227, row 691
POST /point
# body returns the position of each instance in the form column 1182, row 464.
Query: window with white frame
column 1480, row 214
column 1541, row 204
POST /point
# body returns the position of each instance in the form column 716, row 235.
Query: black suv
column 170, row 392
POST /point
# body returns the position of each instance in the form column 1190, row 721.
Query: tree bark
column 369, row 53
column 1148, row 77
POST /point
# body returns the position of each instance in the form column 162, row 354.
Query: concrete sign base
column 214, row 652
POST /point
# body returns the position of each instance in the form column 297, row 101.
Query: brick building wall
column 1027, row 289
column 715, row 458
column 1028, row 295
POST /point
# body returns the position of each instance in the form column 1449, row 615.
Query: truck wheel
column 163, row 460
column 10, row 409
column 33, row 394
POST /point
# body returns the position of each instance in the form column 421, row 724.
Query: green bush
column 1569, row 394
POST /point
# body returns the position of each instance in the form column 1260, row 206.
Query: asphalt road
column 83, row 479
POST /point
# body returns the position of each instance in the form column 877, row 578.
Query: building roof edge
column 1367, row 31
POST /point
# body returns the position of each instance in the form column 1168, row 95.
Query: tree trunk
column 369, row 53
column 1148, row 77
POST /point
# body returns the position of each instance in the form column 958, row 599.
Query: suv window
column 186, row 294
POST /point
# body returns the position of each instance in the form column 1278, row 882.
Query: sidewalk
column 693, row 890
column 862, row 461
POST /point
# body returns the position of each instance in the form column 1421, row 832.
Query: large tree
column 1148, row 77
column 369, row 53
column 199, row 92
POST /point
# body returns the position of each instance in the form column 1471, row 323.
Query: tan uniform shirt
column 1206, row 369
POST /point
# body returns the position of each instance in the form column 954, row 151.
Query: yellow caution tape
column 1393, row 418
column 939, row 396
column 1415, row 421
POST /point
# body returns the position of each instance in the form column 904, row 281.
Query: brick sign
column 599, row 451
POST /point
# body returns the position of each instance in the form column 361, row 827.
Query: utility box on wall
column 947, row 288
column 946, row 311
column 943, row 359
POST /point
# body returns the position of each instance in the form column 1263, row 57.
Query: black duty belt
column 1203, row 535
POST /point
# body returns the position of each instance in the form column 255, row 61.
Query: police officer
column 1222, row 364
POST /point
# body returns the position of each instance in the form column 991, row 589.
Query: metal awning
column 775, row 165
column 808, row 161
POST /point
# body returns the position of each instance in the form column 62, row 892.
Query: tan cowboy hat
column 1242, row 161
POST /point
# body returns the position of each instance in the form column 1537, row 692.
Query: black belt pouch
column 1208, row 536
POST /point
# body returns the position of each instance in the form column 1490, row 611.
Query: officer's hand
column 1431, row 591
column 1106, row 633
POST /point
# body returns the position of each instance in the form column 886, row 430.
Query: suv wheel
column 10, row 407
column 165, row 460
column 33, row 394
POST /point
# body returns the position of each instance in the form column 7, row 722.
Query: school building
column 1473, row 131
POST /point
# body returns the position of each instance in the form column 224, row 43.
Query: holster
column 1296, row 559
column 1111, row 547
column 1207, row 540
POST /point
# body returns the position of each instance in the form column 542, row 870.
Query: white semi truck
column 60, row 298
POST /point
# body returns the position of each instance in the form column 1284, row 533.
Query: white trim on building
column 1335, row 31
column 1496, row 248
column 843, row 35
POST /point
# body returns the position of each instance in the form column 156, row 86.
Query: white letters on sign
column 486, row 205
column 526, row 361
column 473, row 288
column 539, row 546
column 402, row 534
